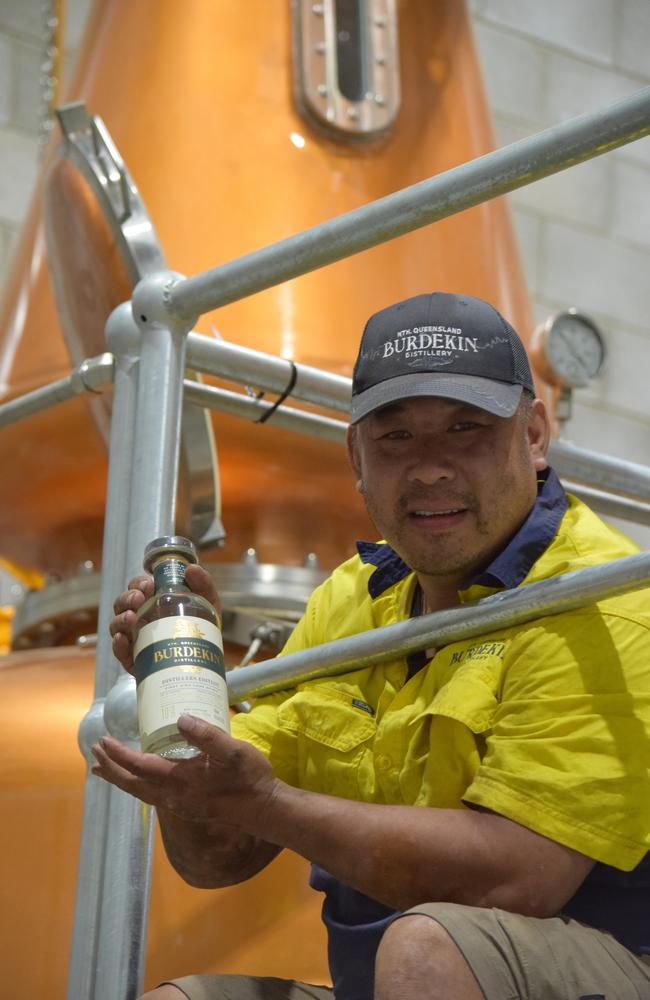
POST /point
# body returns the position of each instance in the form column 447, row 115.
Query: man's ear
column 539, row 433
column 353, row 455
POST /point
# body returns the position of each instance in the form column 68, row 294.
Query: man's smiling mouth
column 438, row 513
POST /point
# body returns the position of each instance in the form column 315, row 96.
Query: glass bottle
column 178, row 653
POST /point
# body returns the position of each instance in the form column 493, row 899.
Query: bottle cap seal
column 168, row 546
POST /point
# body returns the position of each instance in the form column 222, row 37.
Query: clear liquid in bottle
column 178, row 653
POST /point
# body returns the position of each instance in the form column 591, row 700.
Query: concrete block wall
column 584, row 234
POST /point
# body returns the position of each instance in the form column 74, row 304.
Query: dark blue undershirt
column 609, row 899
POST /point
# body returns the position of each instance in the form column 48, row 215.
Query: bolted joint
column 151, row 304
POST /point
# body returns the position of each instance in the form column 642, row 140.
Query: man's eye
column 465, row 425
column 396, row 435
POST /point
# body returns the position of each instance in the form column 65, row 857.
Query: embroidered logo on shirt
column 482, row 651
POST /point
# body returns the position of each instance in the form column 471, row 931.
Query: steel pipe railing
column 165, row 306
column 462, row 187
column 598, row 479
column 98, row 795
column 149, row 511
column 503, row 610
column 91, row 375
column 287, row 417
column 114, row 871
column 635, row 479
column 610, row 504
column 615, row 474
column 268, row 372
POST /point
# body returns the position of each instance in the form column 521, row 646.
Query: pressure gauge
column 568, row 349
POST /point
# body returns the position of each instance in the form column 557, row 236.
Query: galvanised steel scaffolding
column 150, row 341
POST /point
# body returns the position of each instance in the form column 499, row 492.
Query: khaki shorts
column 524, row 958
column 249, row 988
column 512, row 958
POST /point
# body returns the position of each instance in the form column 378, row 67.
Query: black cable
column 287, row 392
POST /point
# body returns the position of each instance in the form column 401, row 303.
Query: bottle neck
column 169, row 575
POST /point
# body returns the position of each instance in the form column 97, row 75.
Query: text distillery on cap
column 455, row 346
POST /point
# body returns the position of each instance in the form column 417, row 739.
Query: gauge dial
column 573, row 348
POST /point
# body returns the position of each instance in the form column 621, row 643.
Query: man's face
column 447, row 484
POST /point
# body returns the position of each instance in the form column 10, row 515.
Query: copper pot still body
column 217, row 119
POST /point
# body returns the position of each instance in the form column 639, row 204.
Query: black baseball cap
column 455, row 346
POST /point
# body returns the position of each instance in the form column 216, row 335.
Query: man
column 461, row 806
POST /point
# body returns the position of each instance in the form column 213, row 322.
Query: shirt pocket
column 469, row 697
column 465, row 682
column 332, row 735
column 448, row 738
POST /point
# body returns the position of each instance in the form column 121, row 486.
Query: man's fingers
column 209, row 739
column 199, row 580
column 143, row 765
column 125, row 773
column 143, row 583
column 123, row 651
column 122, row 623
column 139, row 589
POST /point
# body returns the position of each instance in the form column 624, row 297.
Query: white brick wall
column 5, row 80
column 631, row 48
column 584, row 234
column 22, row 19
column 630, row 203
column 581, row 27
column 19, row 159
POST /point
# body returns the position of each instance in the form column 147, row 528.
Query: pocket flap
column 469, row 696
column 327, row 716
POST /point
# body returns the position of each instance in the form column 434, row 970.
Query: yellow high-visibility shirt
column 547, row 723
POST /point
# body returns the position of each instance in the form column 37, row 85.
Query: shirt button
column 384, row 762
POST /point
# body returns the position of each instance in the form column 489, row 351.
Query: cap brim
column 498, row 398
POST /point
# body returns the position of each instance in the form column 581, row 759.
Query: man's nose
column 432, row 467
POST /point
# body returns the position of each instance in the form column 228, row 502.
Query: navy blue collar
column 390, row 567
column 513, row 563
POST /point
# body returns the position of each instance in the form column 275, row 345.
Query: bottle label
column 169, row 573
column 179, row 667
